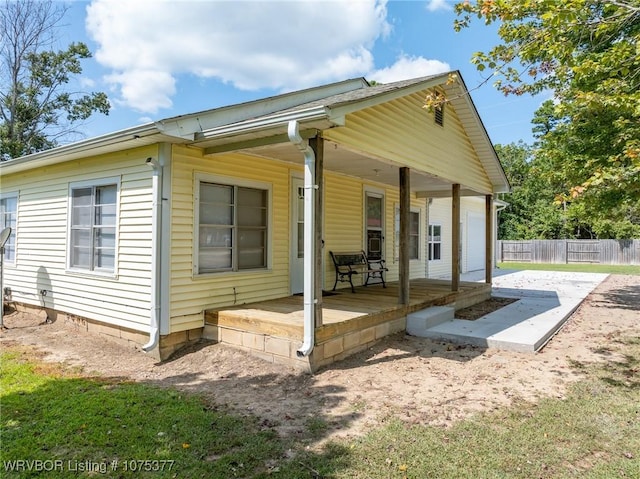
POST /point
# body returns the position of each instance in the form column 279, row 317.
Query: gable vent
column 439, row 115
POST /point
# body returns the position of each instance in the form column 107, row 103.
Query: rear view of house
column 149, row 234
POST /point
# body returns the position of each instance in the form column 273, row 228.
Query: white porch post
column 488, row 227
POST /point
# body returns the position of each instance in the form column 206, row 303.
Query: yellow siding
column 344, row 223
column 41, row 245
column 191, row 294
column 403, row 131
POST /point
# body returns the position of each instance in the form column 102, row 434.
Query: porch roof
column 264, row 123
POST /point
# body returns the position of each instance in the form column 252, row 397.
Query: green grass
column 50, row 413
column 578, row 268
column 594, row 432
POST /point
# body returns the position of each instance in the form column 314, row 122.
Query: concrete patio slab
column 545, row 300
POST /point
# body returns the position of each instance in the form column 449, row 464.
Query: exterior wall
column 440, row 213
column 123, row 299
column 473, row 239
column 344, row 227
column 402, row 130
column 191, row 293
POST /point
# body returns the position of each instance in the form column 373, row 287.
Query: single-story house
column 219, row 224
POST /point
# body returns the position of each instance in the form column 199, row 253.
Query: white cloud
column 86, row 82
column 407, row 67
column 250, row 45
column 435, row 5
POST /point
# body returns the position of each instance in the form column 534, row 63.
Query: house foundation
column 353, row 322
column 126, row 337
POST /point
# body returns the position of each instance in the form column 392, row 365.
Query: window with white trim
column 233, row 227
column 8, row 215
column 92, row 226
column 435, row 242
column 414, row 234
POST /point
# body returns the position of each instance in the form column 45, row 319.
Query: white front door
column 297, row 236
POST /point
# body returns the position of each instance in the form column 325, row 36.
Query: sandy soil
column 417, row 380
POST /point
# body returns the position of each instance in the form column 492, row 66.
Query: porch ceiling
column 339, row 159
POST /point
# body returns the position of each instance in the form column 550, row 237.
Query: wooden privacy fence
column 570, row 251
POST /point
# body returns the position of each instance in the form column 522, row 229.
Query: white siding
column 440, row 213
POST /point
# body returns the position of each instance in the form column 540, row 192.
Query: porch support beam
column 488, row 228
column 455, row 237
column 444, row 193
column 317, row 144
column 405, row 208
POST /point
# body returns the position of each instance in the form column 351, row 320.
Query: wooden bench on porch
column 356, row 262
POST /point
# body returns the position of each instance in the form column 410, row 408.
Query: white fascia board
column 78, row 149
column 269, row 122
column 475, row 125
column 189, row 126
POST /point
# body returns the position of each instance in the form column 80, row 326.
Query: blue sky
column 156, row 59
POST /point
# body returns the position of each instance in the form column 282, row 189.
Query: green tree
column 587, row 54
column 36, row 106
column 531, row 212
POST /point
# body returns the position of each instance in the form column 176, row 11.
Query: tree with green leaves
column 531, row 212
column 586, row 53
column 37, row 107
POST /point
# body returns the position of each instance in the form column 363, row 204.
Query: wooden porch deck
column 343, row 311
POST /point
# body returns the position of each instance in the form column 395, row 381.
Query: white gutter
column 79, row 149
column 258, row 124
column 156, row 227
column 309, row 300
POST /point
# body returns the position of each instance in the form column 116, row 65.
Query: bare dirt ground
column 417, row 380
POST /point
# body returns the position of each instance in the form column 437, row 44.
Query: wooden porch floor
column 344, row 311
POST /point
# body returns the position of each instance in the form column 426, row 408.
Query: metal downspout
column 156, row 220
column 309, row 233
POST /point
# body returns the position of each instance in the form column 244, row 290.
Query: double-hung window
column 8, row 214
column 435, row 242
column 92, row 225
column 233, row 226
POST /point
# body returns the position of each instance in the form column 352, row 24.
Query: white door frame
column 376, row 193
column 296, row 263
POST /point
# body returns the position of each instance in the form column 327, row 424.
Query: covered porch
column 351, row 322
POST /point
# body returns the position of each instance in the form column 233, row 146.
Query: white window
column 8, row 214
column 92, row 226
column 414, row 234
column 435, row 242
column 233, row 226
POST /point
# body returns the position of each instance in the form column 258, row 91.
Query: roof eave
column 319, row 117
column 137, row 136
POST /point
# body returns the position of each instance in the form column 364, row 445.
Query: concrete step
column 420, row 321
